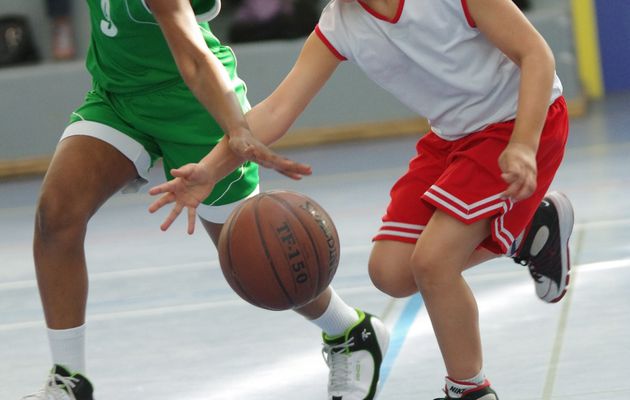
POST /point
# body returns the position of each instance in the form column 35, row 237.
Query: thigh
column 213, row 229
column 99, row 117
column 389, row 268
column 407, row 215
column 84, row 173
column 185, row 133
column 447, row 244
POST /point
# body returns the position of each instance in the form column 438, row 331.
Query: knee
column 391, row 278
column 58, row 217
column 427, row 270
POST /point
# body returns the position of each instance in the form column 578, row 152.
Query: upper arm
column 314, row 66
column 508, row 29
column 179, row 26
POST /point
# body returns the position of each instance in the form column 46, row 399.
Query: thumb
column 183, row 172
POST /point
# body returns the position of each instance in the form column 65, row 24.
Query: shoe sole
column 565, row 218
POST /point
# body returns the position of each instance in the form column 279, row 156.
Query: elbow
column 549, row 58
column 189, row 72
column 542, row 61
column 191, row 67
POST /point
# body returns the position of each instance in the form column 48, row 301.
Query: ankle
column 457, row 388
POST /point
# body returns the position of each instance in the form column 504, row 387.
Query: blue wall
column 613, row 19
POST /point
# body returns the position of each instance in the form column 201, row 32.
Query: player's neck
column 387, row 8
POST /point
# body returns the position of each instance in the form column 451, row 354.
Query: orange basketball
column 279, row 250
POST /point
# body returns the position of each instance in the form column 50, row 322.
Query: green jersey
column 129, row 54
column 140, row 104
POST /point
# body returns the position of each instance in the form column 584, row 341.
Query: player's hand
column 188, row 189
column 247, row 147
column 518, row 166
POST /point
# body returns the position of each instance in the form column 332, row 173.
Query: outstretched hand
column 518, row 164
column 188, row 189
column 247, row 147
column 192, row 183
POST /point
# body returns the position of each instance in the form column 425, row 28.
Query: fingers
column 520, row 186
column 267, row 158
column 172, row 216
column 161, row 202
column 292, row 169
column 283, row 165
column 184, row 171
column 191, row 220
column 163, row 188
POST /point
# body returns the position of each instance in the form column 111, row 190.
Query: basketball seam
column 267, row 253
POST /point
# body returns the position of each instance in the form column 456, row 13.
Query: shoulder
column 335, row 26
column 206, row 10
column 338, row 12
column 339, row 17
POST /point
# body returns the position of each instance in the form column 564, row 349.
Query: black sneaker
column 545, row 248
column 484, row 392
column 62, row 385
column 355, row 359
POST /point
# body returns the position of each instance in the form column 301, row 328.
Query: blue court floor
column 163, row 323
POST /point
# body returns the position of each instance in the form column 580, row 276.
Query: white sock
column 68, row 348
column 337, row 318
column 455, row 388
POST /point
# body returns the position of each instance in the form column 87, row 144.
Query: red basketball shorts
column 463, row 179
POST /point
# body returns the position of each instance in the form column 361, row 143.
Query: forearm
column 219, row 162
column 271, row 119
column 199, row 67
column 211, row 85
column 537, row 75
column 268, row 122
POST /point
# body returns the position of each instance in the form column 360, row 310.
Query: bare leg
column 440, row 256
column 390, row 268
column 84, row 173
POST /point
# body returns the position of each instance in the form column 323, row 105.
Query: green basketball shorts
column 168, row 124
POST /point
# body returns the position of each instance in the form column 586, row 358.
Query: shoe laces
column 337, row 357
column 526, row 262
column 57, row 387
column 535, row 274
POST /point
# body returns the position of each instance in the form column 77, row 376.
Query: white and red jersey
column 432, row 58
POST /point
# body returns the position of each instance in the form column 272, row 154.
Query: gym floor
column 163, row 323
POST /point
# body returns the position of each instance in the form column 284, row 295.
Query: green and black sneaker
column 355, row 359
column 63, row 385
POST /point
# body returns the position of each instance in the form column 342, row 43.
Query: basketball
column 279, row 250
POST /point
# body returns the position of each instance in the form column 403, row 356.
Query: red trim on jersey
column 401, row 5
column 469, row 17
column 332, row 48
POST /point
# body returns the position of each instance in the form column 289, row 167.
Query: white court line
column 550, row 379
column 602, row 223
column 124, row 273
column 182, row 308
column 604, row 265
column 147, row 271
column 161, row 311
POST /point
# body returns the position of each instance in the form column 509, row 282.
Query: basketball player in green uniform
column 163, row 88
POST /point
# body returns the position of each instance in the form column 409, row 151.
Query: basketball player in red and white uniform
column 478, row 187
